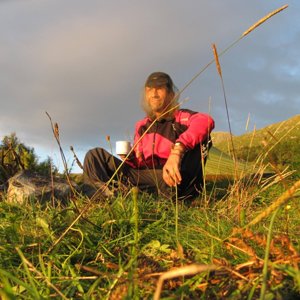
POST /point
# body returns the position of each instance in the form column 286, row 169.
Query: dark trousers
column 100, row 165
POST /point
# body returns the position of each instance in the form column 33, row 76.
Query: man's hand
column 171, row 169
column 171, row 173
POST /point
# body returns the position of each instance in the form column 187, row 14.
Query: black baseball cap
column 159, row 79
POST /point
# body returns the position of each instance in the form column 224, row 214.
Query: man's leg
column 99, row 165
column 192, row 173
column 149, row 180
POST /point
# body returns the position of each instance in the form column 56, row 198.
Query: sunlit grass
column 123, row 250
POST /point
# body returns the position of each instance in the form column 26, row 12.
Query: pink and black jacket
column 190, row 128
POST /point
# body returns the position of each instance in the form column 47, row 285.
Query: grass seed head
column 217, row 59
column 264, row 19
column 56, row 131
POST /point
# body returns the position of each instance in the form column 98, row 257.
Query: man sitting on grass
column 170, row 147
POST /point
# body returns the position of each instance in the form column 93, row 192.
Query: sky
column 85, row 64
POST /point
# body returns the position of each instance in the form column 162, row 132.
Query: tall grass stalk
column 133, row 292
column 55, row 130
column 219, row 69
column 266, row 259
column 203, row 160
column 176, row 215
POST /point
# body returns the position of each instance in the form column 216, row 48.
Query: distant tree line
column 16, row 156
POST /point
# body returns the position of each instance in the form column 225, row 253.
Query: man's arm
column 199, row 128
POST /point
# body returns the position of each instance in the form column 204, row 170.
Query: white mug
column 123, row 147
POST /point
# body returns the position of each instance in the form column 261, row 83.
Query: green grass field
column 243, row 245
column 239, row 240
column 220, row 164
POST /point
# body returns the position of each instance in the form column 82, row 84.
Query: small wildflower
column 264, row 143
column 288, row 207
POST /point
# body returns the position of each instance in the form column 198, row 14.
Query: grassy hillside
column 278, row 144
column 221, row 164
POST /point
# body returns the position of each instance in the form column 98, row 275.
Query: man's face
column 158, row 98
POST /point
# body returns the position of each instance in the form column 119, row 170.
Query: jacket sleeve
column 138, row 149
column 199, row 127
